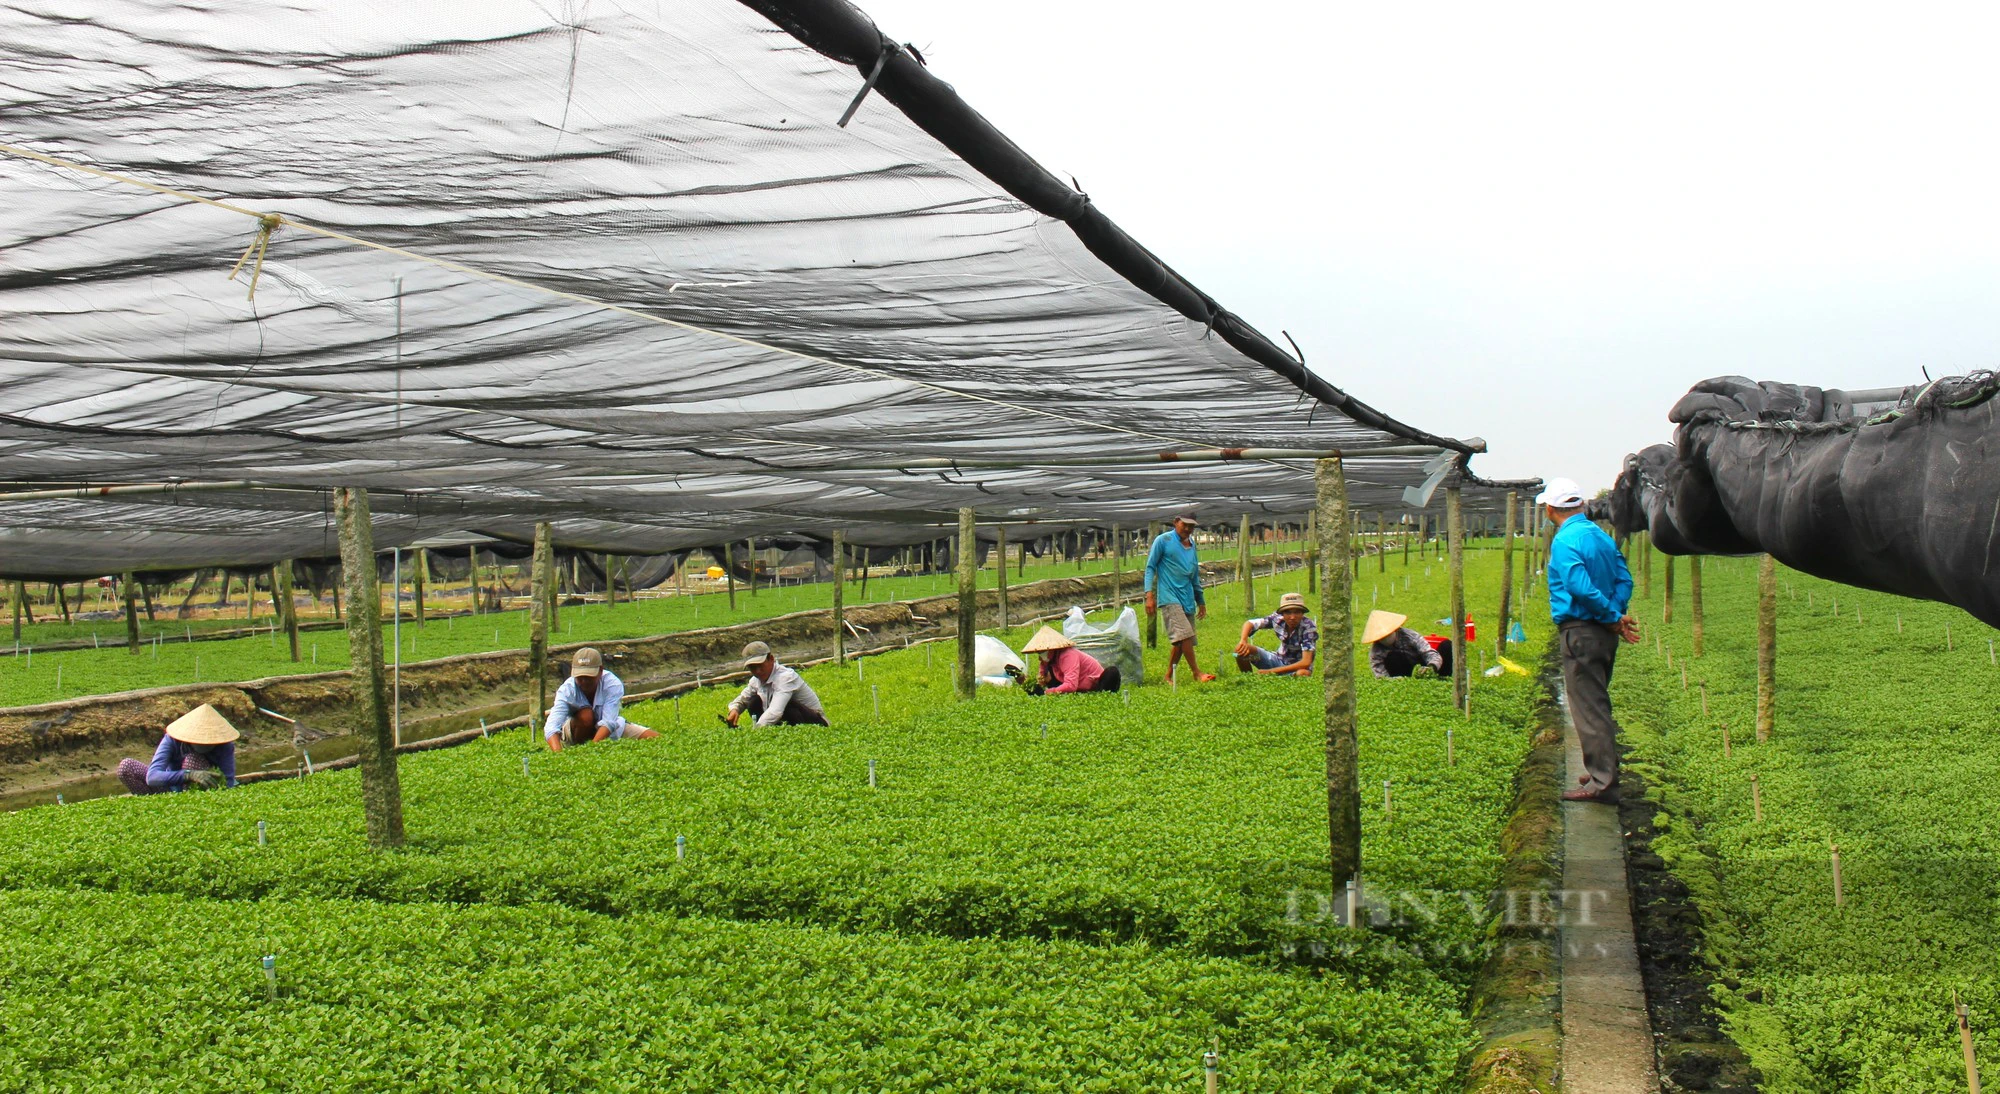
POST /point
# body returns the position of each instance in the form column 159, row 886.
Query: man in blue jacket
column 1589, row 589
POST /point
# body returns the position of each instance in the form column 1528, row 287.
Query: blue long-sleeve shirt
column 1173, row 571
column 1588, row 578
column 607, row 702
column 165, row 773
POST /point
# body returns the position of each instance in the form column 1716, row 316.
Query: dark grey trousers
column 1588, row 652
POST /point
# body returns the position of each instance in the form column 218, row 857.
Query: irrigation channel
column 71, row 748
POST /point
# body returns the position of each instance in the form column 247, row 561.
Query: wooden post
column 287, row 610
column 729, row 571
column 1767, row 645
column 1965, row 1042
column 968, row 601
column 1381, row 542
column 1407, row 528
column 839, row 606
column 1243, row 566
column 381, row 789
column 1461, row 661
column 1646, row 566
column 62, row 601
column 20, row 600
column 1694, row 599
column 541, row 584
column 750, row 561
column 125, row 585
column 1507, row 575
column 611, row 579
column 549, row 591
column 1117, row 567
column 1667, row 607
column 472, row 568
column 1152, row 618
column 420, row 574
column 1343, row 756
column 1313, row 553
column 1000, row 569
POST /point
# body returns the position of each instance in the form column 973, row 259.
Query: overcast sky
column 1536, row 223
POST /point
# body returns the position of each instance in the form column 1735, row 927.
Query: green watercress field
column 1883, row 746
column 1069, row 911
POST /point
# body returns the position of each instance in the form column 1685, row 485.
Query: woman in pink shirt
column 1066, row 669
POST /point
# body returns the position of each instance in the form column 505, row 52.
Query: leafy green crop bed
column 27, row 680
column 1883, row 746
column 1080, row 910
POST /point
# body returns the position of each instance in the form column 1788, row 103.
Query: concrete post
column 541, row 586
column 968, row 601
column 1336, row 616
column 381, row 788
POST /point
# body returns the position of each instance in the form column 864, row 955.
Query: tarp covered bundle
column 602, row 263
column 1904, row 501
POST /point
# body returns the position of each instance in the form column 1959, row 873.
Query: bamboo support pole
column 750, row 563
column 729, row 572
column 1117, row 567
column 968, row 602
column 1767, row 646
column 1343, row 765
column 1152, row 618
column 381, row 788
column 1381, row 542
column 1667, row 605
column 839, row 600
column 1407, row 527
column 1243, row 566
column 1507, row 575
column 1461, row 661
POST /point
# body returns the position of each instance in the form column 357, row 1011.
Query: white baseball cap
column 1561, row 493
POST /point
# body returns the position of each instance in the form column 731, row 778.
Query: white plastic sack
column 1117, row 645
column 990, row 658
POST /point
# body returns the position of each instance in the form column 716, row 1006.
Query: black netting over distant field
column 528, row 261
column 1904, row 501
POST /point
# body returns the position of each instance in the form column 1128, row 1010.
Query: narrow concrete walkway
column 1607, row 1037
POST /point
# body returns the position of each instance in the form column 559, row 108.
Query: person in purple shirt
column 198, row 752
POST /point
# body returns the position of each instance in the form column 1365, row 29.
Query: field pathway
column 1607, row 1034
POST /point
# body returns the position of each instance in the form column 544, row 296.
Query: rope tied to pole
column 260, row 243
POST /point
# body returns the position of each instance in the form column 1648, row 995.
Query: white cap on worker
column 1561, row 493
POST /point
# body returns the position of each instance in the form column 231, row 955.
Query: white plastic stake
column 309, row 760
column 1045, row 731
column 875, row 693
column 680, row 848
column 524, row 767
column 1386, row 806
column 1450, row 754
column 59, row 801
column 857, row 670
column 271, row 976
column 871, row 774
column 482, row 730
column 260, row 834
column 197, row 675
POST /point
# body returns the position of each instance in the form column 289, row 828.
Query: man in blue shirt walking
column 1589, row 589
column 1173, row 589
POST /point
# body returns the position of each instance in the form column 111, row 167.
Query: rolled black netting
column 1903, row 501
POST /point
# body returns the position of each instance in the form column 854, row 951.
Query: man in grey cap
column 775, row 695
column 586, row 706
column 1173, row 589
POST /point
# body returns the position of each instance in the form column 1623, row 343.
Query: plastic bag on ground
column 990, row 658
column 1117, row 645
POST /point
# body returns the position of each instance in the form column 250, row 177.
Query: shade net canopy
column 1904, row 501
column 612, row 265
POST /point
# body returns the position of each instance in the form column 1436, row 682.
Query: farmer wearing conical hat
column 1298, row 641
column 1066, row 669
column 1396, row 650
column 198, row 752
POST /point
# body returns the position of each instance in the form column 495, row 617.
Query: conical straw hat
column 1381, row 625
column 1046, row 641
column 204, row 725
